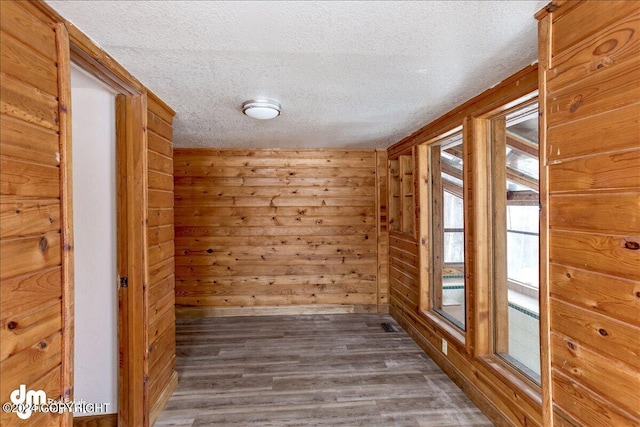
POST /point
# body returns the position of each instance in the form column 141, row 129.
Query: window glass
column 447, row 230
column 516, row 219
column 522, row 244
column 453, row 229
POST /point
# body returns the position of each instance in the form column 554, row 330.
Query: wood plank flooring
column 320, row 370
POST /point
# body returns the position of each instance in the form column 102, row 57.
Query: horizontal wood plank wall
column 592, row 108
column 275, row 231
column 30, row 207
column 383, row 231
column 504, row 403
column 160, row 235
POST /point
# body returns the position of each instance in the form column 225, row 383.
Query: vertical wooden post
column 423, row 182
column 382, row 224
column 408, row 212
column 482, row 238
column 123, row 245
column 394, row 195
column 66, row 205
column 437, row 226
column 378, row 167
column 544, row 58
column 499, row 215
column 469, row 232
column 136, row 177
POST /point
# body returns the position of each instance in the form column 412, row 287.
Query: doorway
column 95, row 241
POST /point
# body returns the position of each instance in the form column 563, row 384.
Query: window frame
column 483, row 177
column 401, row 197
column 451, row 331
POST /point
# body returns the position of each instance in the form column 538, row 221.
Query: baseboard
column 286, row 310
column 467, row 386
column 163, row 399
column 102, row 420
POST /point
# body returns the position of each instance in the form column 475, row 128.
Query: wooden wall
column 36, row 231
column 495, row 390
column 32, row 203
column 275, row 231
column 590, row 72
column 160, row 234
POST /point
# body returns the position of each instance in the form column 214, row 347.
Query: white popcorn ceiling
column 348, row 74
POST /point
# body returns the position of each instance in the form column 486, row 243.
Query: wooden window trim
column 485, row 210
column 448, row 329
column 402, row 193
column 424, row 197
column 499, row 295
column 510, row 375
column 394, row 195
column 407, row 194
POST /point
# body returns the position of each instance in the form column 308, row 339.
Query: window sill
column 451, row 332
column 508, row 374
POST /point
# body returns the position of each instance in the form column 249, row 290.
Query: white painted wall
column 94, row 221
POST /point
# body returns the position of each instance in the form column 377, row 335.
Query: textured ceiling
column 348, row 74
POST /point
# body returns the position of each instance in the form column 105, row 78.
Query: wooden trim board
column 186, row 312
column 103, row 420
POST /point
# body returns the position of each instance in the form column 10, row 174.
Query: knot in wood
column 577, row 103
column 605, row 47
column 44, row 244
column 634, row 246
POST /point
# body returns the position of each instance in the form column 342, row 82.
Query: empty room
column 320, row 213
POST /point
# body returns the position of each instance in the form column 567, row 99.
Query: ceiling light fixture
column 261, row 109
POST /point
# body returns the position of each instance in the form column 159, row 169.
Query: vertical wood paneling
column 591, row 101
column 34, row 337
column 262, row 230
column 160, row 240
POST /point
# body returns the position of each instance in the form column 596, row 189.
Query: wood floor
column 320, row 370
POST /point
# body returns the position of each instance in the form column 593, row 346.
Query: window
column 447, row 229
column 515, row 224
column 401, row 198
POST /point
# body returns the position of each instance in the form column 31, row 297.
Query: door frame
column 131, row 205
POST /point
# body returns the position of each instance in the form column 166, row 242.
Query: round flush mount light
column 261, row 109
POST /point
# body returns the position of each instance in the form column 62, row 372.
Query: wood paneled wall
column 32, row 205
column 497, row 393
column 590, row 94
column 275, row 231
column 160, row 234
column 36, row 261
